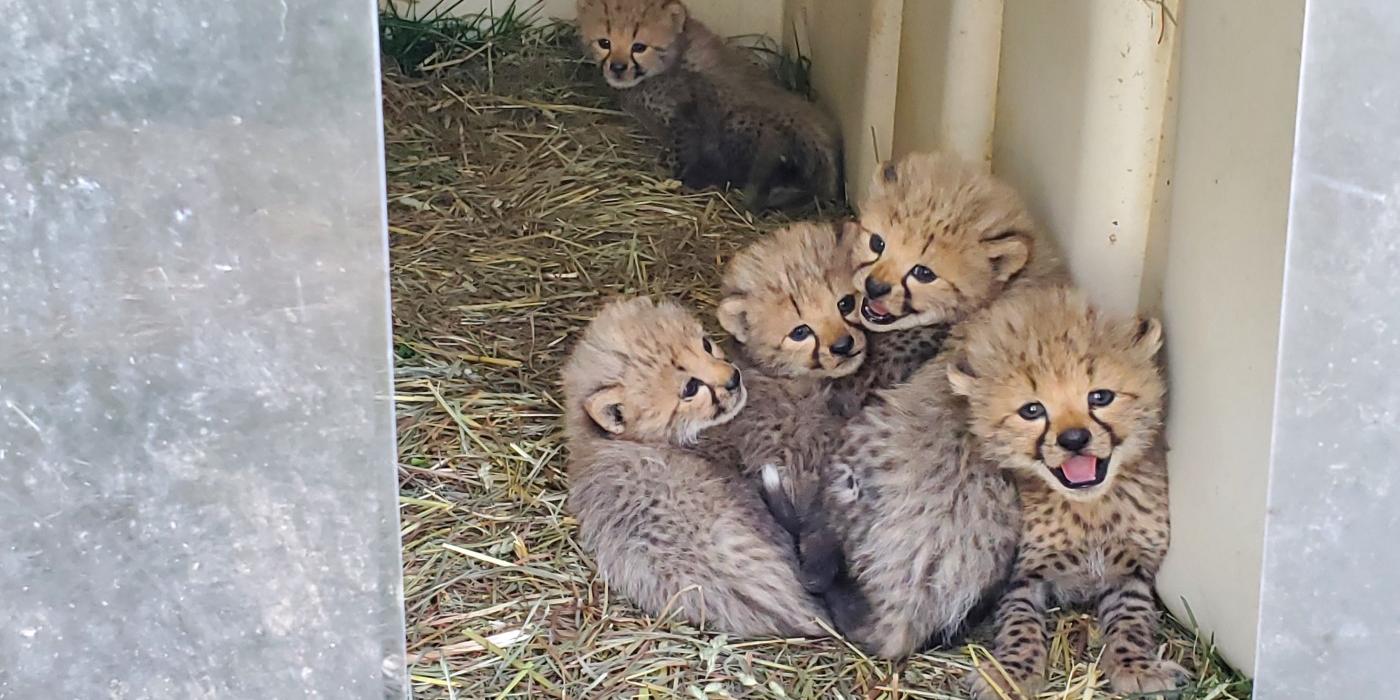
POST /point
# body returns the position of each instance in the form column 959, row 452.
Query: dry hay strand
column 519, row 200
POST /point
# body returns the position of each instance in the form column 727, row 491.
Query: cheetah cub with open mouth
column 915, row 534
column 1070, row 402
column 937, row 239
column 669, row 529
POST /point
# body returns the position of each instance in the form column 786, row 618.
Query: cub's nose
column 1073, row 439
column 618, row 68
column 734, row 381
column 844, row 346
column 875, row 288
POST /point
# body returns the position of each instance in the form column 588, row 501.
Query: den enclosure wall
column 1155, row 149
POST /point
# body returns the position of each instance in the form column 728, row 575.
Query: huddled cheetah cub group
column 917, row 420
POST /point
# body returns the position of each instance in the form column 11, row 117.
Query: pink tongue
column 877, row 307
column 1080, row 468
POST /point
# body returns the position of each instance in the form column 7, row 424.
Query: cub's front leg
column 1129, row 621
column 1019, row 646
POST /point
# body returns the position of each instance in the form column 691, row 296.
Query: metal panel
column 197, row 491
column 1330, row 610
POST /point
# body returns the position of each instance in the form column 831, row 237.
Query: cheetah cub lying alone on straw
column 1070, row 402
column 721, row 117
column 927, row 529
column 669, row 529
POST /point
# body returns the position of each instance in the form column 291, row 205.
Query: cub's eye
column 1032, row 410
column 847, row 304
column 877, row 244
column 923, row 274
column 639, row 47
column 692, row 388
column 1099, row 398
column 604, row 44
column 705, row 343
column 801, row 332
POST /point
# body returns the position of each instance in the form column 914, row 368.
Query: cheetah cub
column 1070, row 402
column 936, row 240
column 721, row 117
column 667, row 528
column 916, row 533
column 789, row 305
column 940, row 239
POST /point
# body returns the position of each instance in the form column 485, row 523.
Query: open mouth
column 1082, row 471
column 877, row 313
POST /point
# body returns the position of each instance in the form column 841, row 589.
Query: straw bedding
column 519, row 200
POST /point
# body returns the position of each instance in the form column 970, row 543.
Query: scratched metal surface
column 197, row 493
column 1330, row 607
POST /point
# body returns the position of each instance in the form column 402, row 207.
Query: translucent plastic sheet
column 1330, row 607
column 197, row 491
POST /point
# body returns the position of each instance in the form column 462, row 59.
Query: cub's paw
column 698, row 175
column 979, row 688
column 1150, row 676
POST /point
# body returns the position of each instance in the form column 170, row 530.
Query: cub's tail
column 780, row 502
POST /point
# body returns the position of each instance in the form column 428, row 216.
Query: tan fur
column 669, row 529
column 891, row 358
column 797, row 277
column 935, row 211
column 1093, row 545
column 927, row 527
column 950, row 218
column 723, row 120
column 612, row 31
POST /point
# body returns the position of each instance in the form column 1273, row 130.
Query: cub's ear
column 848, row 243
column 1147, row 336
column 676, row 11
column 847, row 231
column 889, row 171
column 961, row 377
column 734, row 318
column 1008, row 252
column 604, row 406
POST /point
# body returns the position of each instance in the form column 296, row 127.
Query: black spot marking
column 1001, row 236
column 1112, row 436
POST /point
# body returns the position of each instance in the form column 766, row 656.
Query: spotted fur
column 1048, row 378
column 891, row 358
column 917, row 531
column 789, row 306
column 722, row 119
column 969, row 230
column 928, row 530
column 669, row 529
column 940, row 239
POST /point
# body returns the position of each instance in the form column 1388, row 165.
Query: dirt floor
column 519, row 200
